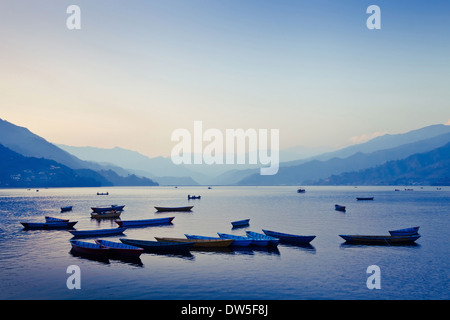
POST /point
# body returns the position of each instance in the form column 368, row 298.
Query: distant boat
column 106, row 214
column 107, row 208
column 65, row 209
column 364, row 198
column 102, row 193
column 88, row 248
column 193, row 197
column 339, row 207
column 158, row 246
column 49, row 225
column 240, row 223
column 209, row 188
column 120, row 248
column 205, row 242
column 97, row 232
column 405, row 232
column 145, row 222
column 291, row 238
column 301, row 190
column 368, row 239
column 52, row 219
column 164, row 209
column 262, row 240
column 239, row 241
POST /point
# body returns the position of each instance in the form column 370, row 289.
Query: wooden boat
column 339, row 207
column 106, row 214
column 88, row 248
column 120, row 248
column 49, row 225
column 262, row 240
column 97, row 232
column 240, row 223
column 405, row 232
column 239, row 241
column 187, row 208
column 364, row 198
column 108, row 208
column 158, row 246
column 65, row 209
column 291, row 238
column 193, row 197
column 205, row 242
column 145, row 222
column 301, row 190
column 368, row 239
column 52, row 219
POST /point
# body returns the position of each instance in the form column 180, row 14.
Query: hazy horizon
column 135, row 73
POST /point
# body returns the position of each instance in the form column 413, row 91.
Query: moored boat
column 291, row 238
column 120, row 248
column 49, row 225
column 239, row 241
column 107, row 208
column 339, row 207
column 65, row 209
column 88, row 248
column 205, row 242
column 240, row 223
column 52, row 219
column 163, row 209
column 158, row 246
column 106, row 214
column 405, row 232
column 97, row 232
column 369, row 239
column 301, row 190
column 262, row 240
column 145, row 222
column 193, row 197
column 364, row 198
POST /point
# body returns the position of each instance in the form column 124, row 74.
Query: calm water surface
column 33, row 263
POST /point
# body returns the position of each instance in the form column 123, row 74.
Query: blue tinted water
column 33, row 263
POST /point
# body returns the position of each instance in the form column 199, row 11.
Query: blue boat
column 158, row 246
column 405, row 232
column 240, row 223
column 339, row 207
column 88, row 248
column 380, row 240
column 120, row 248
column 262, row 240
column 145, row 222
column 49, row 225
column 290, row 238
column 65, row 209
column 239, row 241
column 97, row 232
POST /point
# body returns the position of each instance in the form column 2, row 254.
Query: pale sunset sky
column 138, row 70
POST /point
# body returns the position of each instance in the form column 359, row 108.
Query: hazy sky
column 138, row 70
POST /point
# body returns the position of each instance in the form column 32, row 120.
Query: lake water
column 33, row 263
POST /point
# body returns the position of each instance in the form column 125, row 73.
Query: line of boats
column 339, row 207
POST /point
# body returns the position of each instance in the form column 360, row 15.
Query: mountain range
column 91, row 166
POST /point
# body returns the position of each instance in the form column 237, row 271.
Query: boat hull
column 339, row 208
column 109, row 208
column 146, row 222
column 202, row 243
column 405, row 232
column 88, row 248
column 49, row 225
column 158, row 246
column 364, row 198
column 289, row 238
column 262, row 240
column 98, row 232
column 368, row 239
column 241, row 223
column 120, row 249
column 238, row 240
column 166, row 209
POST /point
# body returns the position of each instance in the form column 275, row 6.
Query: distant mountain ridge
column 428, row 168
